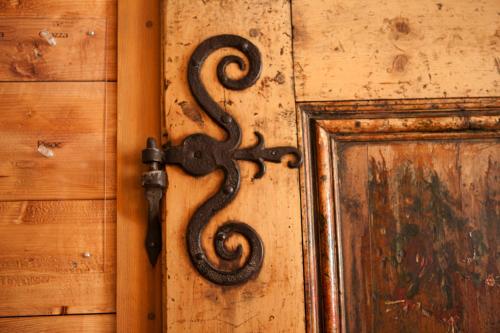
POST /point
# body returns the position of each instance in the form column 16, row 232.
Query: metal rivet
column 226, row 119
column 228, row 189
column 86, row 254
column 245, row 46
column 91, row 33
column 199, row 256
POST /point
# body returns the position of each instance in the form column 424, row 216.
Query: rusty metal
column 154, row 182
column 200, row 154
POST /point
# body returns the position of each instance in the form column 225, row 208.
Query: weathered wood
column 139, row 295
column 273, row 301
column 312, row 289
column 415, row 215
column 74, row 121
column 57, row 257
column 347, row 50
column 99, row 323
column 25, row 56
column 327, row 254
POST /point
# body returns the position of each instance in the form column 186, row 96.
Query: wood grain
column 415, row 215
column 346, row 50
column 76, row 121
column 57, row 257
column 26, row 57
column 99, row 323
column 327, row 254
column 139, row 296
column 273, row 301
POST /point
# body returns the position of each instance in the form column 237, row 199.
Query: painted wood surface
column 73, row 122
column 101, row 323
column 346, row 50
column 273, row 301
column 77, row 56
column 57, row 257
column 416, row 215
column 139, row 287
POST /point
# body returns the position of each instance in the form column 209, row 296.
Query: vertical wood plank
column 352, row 229
column 479, row 166
column 138, row 284
column 273, row 301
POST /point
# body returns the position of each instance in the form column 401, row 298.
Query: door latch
column 154, row 182
column 200, row 154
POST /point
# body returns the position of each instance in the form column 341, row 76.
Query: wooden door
column 391, row 224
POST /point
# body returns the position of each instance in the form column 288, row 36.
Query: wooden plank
column 77, row 58
column 99, row 323
column 139, row 294
column 274, row 300
column 57, row 257
column 395, row 49
column 479, row 192
column 76, row 121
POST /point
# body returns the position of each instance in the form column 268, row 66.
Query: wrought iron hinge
column 200, row 154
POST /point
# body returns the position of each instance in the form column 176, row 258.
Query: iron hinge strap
column 200, row 155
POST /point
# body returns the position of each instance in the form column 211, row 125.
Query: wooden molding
column 326, row 125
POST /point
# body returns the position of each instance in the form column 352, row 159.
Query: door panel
column 273, row 301
column 395, row 49
column 399, row 197
column 408, row 215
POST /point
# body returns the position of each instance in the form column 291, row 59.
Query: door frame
column 139, row 289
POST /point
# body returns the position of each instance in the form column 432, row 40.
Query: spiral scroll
column 200, row 154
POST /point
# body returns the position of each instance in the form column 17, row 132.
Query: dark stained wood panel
column 411, row 189
column 76, row 122
column 139, row 288
column 418, row 262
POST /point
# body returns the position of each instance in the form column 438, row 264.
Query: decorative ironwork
column 200, row 154
column 154, row 182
